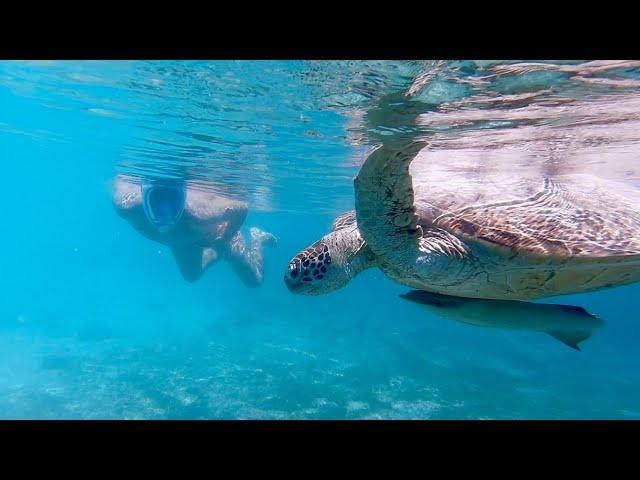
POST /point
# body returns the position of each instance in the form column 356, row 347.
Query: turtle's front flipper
column 384, row 199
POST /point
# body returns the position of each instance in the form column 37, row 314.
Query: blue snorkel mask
column 163, row 202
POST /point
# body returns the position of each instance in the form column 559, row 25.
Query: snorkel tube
column 163, row 202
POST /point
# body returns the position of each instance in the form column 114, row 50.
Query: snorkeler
column 198, row 225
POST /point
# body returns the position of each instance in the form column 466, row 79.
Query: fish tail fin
column 571, row 338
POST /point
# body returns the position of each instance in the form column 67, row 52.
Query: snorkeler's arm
column 220, row 217
column 247, row 260
column 193, row 260
column 127, row 195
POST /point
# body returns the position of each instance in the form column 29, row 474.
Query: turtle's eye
column 295, row 275
column 294, row 269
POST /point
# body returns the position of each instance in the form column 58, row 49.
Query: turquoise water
column 97, row 323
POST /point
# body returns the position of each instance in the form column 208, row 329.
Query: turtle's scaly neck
column 359, row 256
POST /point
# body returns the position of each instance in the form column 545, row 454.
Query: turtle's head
column 329, row 263
column 163, row 202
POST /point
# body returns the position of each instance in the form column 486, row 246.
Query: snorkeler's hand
column 262, row 237
column 209, row 255
column 221, row 230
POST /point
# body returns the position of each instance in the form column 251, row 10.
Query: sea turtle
column 439, row 225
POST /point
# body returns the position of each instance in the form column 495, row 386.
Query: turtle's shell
column 543, row 210
column 515, row 195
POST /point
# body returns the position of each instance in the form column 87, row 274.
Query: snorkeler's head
column 163, row 202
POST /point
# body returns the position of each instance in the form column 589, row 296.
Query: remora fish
column 567, row 323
